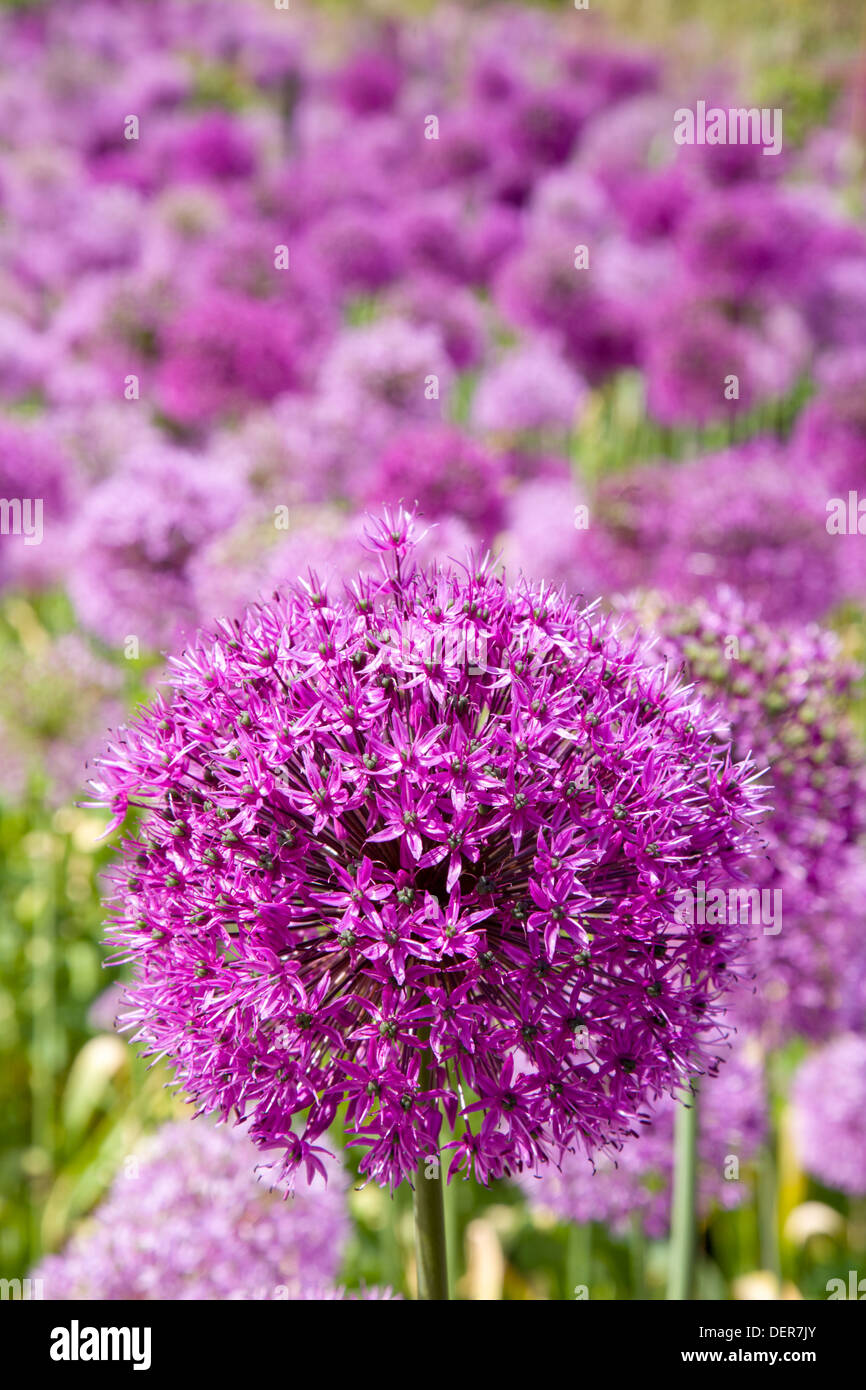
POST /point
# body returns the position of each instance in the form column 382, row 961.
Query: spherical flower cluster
column 539, row 288
column 829, row 1102
column 187, row 1218
column 784, row 691
column 393, row 365
column 135, row 539
column 832, row 428
column 532, row 389
column 688, row 529
column 224, row 352
column 445, row 473
column 541, row 538
column 423, row 842
column 732, row 1120
column 696, row 347
column 37, row 485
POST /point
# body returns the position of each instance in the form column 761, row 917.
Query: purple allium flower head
column 830, row 431
column 434, row 231
column 626, row 140
column 638, row 1180
column 445, row 472
column 836, row 305
column 135, row 537
column 223, row 352
column 37, row 487
column 828, row 1095
column 205, row 147
column 453, row 312
column 370, row 79
column 653, row 203
column 748, row 242
column 540, row 538
column 254, row 558
column 187, row 1218
column 612, row 74
column 744, row 517
column 784, row 691
column 359, row 248
column 388, row 364
column 418, row 842
column 531, row 389
column 541, row 125
column 540, row 287
column 693, row 348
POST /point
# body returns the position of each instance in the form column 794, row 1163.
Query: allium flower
column 533, row 388
column 654, row 202
column 359, row 248
column 453, row 312
column 435, row 232
column 828, row 1095
column 613, row 75
column 749, row 242
column 540, row 288
column 446, row 473
column 370, row 79
column 204, row 147
column 693, row 346
column 837, row 301
column 784, row 691
column 37, row 478
column 689, row 528
column 135, row 538
column 254, row 558
column 731, row 1124
column 540, row 539
column 542, row 124
column 403, row 845
column 831, row 431
column 388, row 364
column 223, row 352
column 187, row 1218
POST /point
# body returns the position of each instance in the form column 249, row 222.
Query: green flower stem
column 768, row 1212
column 681, row 1273
column 430, row 1243
column 768, row 1174
column 578, row 1260
column 637, row 1253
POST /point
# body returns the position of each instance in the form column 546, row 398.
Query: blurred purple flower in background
column 785, row 691
column 186, row 1219
column 829, row 1103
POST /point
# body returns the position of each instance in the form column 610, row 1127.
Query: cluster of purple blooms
column 418, row 841
column 785, row 692
column 829, row 1103
column 188, row 1218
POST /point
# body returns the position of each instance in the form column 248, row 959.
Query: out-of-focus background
column 264, row 269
